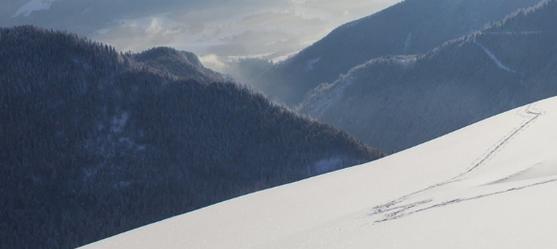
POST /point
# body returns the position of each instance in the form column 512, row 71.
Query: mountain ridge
column 96, row 143
column 409, row 27
column 506, row 65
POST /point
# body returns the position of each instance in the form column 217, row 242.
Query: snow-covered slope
column 489, row 185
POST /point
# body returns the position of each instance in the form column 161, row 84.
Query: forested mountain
column 400, row 101
column 409, row 27
column 182, row 64
column 95, row 142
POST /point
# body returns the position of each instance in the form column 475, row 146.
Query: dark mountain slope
column 410, row 27
column 95, row 143
column 398, row 102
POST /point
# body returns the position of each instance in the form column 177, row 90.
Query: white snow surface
column 32, row 6
column 490, row 185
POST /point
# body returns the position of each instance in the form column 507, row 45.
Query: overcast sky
column 211, row 28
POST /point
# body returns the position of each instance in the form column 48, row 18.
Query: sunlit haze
column 215, row 30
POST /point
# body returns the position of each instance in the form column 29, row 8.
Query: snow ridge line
column 531, row 32
column 392, row 205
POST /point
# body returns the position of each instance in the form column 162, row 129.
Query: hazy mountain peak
column 409, row 27
column 502, row 66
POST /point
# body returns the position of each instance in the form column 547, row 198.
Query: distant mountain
column 95, row 142
column 400, row 101
column 182, row 64
column 409, row 27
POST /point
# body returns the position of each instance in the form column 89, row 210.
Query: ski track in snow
column 399, row 214
column 494, row 58
column 399, row 208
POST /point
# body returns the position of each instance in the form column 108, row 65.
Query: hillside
column 182, row 64
column 409, row 27
column 489, row 185
column 397, row 102
column 95, row 142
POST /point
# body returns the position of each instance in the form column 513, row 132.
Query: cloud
column 32, row 6
column 211, row 28
column 215, row 62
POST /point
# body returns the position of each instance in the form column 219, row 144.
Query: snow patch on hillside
column 408, row 42
column 119, row 122
column 494, row 58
